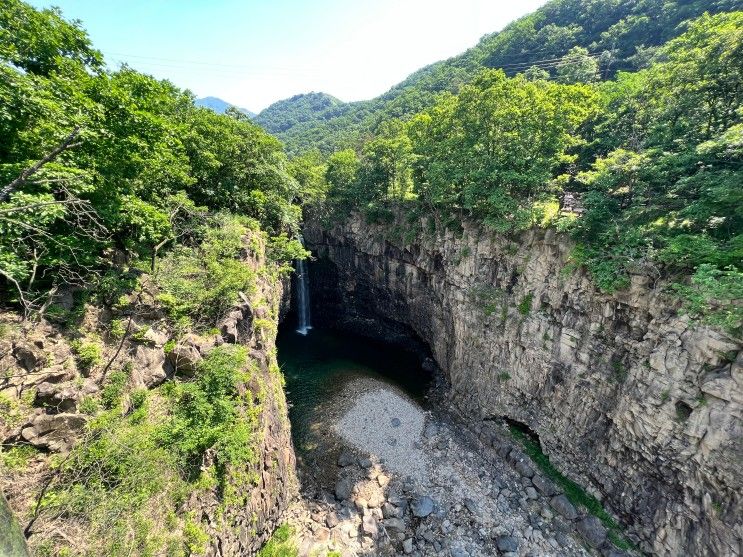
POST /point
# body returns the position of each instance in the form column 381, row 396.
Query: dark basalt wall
column 628, row 397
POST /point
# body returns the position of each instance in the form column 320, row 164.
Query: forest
column 621, row 35
column 651, row 160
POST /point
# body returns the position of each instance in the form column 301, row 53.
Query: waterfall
column 303, row 298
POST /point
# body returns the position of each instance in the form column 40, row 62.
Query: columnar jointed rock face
column 242, row 527
column 627, row 396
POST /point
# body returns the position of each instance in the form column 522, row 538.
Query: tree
column 493, row 149
column 535, row 73
column 578, row 66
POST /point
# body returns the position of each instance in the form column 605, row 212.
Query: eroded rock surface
column 627, row 396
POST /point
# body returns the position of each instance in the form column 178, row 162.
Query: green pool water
column 319, row 365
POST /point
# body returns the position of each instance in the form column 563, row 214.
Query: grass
column 281, row 544
column 575, row 493
column 524, row 306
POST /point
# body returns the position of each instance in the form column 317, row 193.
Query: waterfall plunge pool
column 325, row 372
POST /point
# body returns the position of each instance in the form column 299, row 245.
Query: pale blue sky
column 252, row 53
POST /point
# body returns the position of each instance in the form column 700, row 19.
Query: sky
column 252, row 53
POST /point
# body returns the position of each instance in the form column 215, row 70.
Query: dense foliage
column 653, row 156
column 104, row 175
column 287, row 113
column 129, row 162
column 618, row 35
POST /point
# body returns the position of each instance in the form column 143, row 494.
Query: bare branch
column 30, row 171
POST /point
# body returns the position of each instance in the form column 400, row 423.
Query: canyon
column 628, row 398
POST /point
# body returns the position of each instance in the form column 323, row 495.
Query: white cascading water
column 303, row 298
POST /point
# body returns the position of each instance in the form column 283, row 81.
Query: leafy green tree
column 493, row 149
column 41, row 41
column 342, row 177
column 578, row 67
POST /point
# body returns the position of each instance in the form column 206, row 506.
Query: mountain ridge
column 220, row 106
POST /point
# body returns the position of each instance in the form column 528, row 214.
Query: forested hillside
column 219, row 106
column 643, row 170
column 616, row 34
column 299, row 109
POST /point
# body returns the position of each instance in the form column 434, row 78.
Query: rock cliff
column 56, row 382
column 628, row 398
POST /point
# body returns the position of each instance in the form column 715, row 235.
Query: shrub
column 114, row 388
column 17, row 457
column 281, row 544
column 88, row 352
column 210, row 413
column 201, row 283
column 88, row 405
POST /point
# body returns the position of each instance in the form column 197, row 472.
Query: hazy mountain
column 219, row 106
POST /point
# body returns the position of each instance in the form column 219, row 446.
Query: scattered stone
column 365, row 462
column 422, row 506
column 592, row 530
column 430, row 431
column 564, row 507
column 395, row 422
column 544, row 486
column 407, row 545
column 343, row 489
column 531, row 493
column 507, row 544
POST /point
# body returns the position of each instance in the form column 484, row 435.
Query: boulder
column 592, row 530
column 346, row 458
column 148, row 368
column 523, row 468
column 237, row 326
column 185, row 356
column 394, row 525
column 55, row 432
column 62, row 396
column 343, row 489
column 544, row 486
column 422, row 506
column 507, row 544
column 29, row 357
column 369, row 526
column 564, row 507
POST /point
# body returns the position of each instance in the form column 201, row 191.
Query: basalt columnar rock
column 628, row 397
column 43, row 397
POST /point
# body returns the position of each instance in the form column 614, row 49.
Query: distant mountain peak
column 220, row 106
column 304, row 107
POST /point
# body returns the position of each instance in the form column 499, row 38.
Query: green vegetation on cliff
column 125, row 208
column 644, row 170
column 94, row 162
